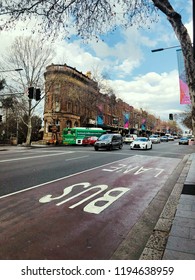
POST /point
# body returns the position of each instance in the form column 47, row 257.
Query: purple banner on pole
column 100, row 117
column 184, row 90
column 126, row 120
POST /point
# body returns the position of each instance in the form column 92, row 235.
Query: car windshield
column 105, row 137
column 154, row 136
column 142, row 139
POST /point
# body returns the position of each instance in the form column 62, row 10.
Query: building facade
column 73, row 99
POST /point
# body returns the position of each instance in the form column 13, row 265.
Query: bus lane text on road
column 97, row 205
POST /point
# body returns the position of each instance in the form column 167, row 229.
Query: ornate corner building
column 73, row 99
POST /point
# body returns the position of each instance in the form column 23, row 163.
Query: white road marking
column 32, row 157
column 76, row 158
column 59, row 179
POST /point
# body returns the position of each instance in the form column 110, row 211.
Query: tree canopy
column 87, row 17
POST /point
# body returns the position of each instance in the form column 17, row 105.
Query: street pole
column 162, row 49
column 193, row 21
column 17, row 127
column 10, row 70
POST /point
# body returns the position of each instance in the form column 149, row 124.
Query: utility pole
column 193, row 22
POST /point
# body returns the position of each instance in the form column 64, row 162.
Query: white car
column 141, row 143
column 171, row 138
column 155, row 139
column 129, row 138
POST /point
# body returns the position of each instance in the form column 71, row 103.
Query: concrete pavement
column 173, row 237
column 181, row 241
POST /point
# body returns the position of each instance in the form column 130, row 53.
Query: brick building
column 73, row 99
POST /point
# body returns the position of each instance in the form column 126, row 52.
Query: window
column 69, row 106
column 68, row 123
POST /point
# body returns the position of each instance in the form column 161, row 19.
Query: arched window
column 76, row 124
column 68, row 123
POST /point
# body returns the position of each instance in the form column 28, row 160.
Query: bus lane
column 83, row 216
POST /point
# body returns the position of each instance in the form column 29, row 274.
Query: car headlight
column 143, row 144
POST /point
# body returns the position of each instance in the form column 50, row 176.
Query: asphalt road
column 76, row 203
column 20, row 169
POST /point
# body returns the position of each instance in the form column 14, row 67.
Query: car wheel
column 120, row 147
column 96, row 148
column 146, row 147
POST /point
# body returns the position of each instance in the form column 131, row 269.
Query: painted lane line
column 32, row 157
column 60, row 179
column 76, row 158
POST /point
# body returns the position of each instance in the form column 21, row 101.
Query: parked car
column 171, row 138
column 191, row 141
column 89, row 140
column 129, row 138
column 109, row 142
column 155, row 139
column 164, row 139
column 184, row 141
column 141, row 143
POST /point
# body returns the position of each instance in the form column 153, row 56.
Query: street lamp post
column 193, row 44
column 162, row 49
column 10, row 70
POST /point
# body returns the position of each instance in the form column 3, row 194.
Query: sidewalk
column 20, row 147
column 173, row 237
column 10, row 148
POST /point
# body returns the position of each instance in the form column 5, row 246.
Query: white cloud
column 73, row 55
column 158, row 93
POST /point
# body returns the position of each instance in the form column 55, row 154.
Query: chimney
column 88, row 74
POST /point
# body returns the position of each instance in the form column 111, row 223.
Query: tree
column 91, row 18
column 15, row 122
column 32, row 56
column 22, row 128
column 185, row 117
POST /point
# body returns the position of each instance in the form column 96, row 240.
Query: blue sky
column 141, row 78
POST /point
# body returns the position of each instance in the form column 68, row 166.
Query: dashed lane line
column 60, row 179
column 33, row 157
column 76, row 158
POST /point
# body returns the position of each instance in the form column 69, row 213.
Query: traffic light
column 30, row 92
column 171, row 117
column 0, row 118
column 2, row 84
column 38, row 94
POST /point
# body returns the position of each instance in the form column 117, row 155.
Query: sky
column 138, row 76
